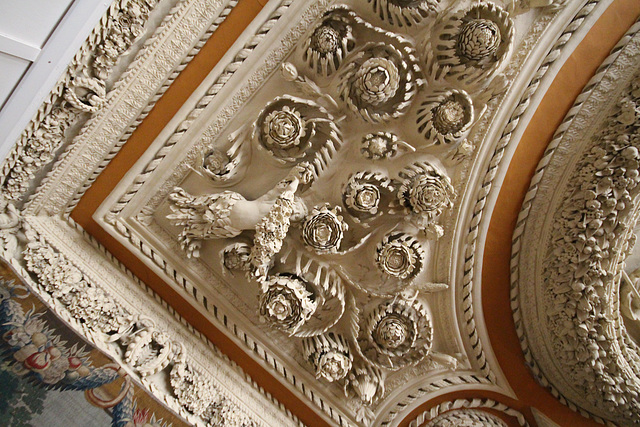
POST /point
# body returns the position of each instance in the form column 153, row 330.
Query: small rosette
column 365, row 193
column 323, row 229
column 401, row 256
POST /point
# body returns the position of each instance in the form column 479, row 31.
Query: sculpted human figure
column 227, row 214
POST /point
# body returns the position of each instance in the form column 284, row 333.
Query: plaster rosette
column 323, row 229
column 396, row 334
column 471, row 45
column 293, row 129
column 400, row 256
column 425, row 192
column 366, row 195
column 379, row 145
column 286, row 302
column 327, row 288
column 329, row 43
column 378, row 82
column 404, row 13
column 445, row 117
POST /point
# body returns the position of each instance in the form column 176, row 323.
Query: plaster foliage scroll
column 582, row 273
column 134, row 337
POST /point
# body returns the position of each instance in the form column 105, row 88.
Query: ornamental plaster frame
column 57, row 202
column 595, row 104
column 472, row 406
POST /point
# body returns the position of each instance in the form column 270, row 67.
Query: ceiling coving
column 321, row 200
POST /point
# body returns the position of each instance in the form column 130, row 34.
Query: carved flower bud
column 376, row 81
column 400, row 255
column 427, row 194
column 325, row 39
column 284, row 128
column 366, row 382
column 216, row 162
column 473, row 44
column 329, row 354
column 379, row 82
column 392, row 331
column 236, row 256
column 363, row 193
column 329, row 43
column 478, row 39
column 324, row 229
column 379, row 145
column 333, row 366
column 289, row 71
column 445, row 116
column 286, row 302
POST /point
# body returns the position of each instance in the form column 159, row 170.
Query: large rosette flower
column 425, row 193
column 400, row 255
column 294, row 129
column 364, row 192
column 286, row 302
column 445, row 117
column 396, row 334
column 330, row 356
column 324, row 229
column 329, row 43
column 404, row 12
column 474, row 43
column 379, row 82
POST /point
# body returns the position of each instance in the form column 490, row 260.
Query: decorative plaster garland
column 148, row 351
column 523, row 217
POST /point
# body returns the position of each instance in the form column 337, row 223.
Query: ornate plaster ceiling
column 316, row 208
